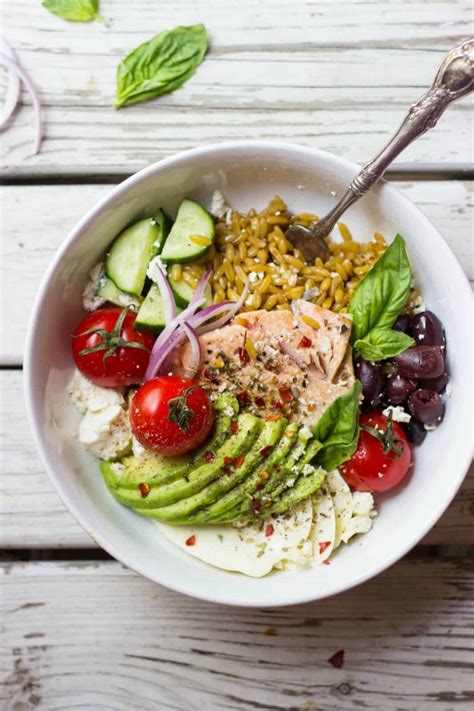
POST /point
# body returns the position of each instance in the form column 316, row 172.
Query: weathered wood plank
column 334, row 75
column 33, row 516
column 95, row 635
column 37, row 218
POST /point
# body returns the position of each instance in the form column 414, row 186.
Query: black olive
column 402, row 324
column 438, row 384
column 414, row 431
column 420, row 362
column 370, row 375
column 398, row 388
column 427, row 330
column 426, row 406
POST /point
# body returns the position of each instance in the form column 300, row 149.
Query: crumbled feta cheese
column 106, row 433
column 398, row 413
column 419, row 308
column 219, row 206
column 128, row 300
column 229, row 411
column 261, row 275
column 154, row 266
column 253, row 276
column 308, row 469
column 90, row 300
column 141, row 452
column 87, row 396
column 305, row 432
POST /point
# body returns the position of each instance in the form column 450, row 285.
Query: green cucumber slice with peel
column 191, row 221
column 183, row 293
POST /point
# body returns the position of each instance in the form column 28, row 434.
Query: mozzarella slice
column 249, row 550
column 342, row 500
column 363, row 513
column 323, row 533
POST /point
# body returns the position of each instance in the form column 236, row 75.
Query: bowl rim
column 34, row 416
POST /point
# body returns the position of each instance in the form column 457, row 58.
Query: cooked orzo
column 252, row 246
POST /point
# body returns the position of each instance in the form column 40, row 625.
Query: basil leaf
column 160, row 65
column 338, row 430
column 382, row 293
column 75, row 10
column 382, row 343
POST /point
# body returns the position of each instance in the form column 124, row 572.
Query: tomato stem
column 111, row 340
column 388, row 440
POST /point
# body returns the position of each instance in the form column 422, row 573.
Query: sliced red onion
column 201, row 286
column 231, row 311
column 13, row 88
column 166, row 292
column 24, row 76
column 195, row 350
column 294, row 307
column 158, row 359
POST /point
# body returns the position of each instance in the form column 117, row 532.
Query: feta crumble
column 154, row 267
column 87, row 396
column 398, row 413
column 90, row 300
column 219, row 206
column 106, row 433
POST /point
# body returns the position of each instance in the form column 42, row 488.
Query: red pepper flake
column 260, row 486
column 337, row 659
column 269, row 530
column 326, row 562
column 305, row 342
column 272, row 418
column 211, row 374
column 277, row 404
column 238, row 461
column 259, row 401
column 243, row 397
column 209, row 456
column 286, row 394
column 234, row 426
column 191, row 540
column 323, row 545
column 266, row 450
column 228, row 461
column 244, row 356
column 255, row 506
column 144, row 490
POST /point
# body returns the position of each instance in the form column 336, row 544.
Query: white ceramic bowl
column 249, row 173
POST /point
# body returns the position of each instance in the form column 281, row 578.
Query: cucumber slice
column 192, row 220
column 151, row 315
column 183, row 293
column 128, row 258
column 164, row 224
column 108, row 290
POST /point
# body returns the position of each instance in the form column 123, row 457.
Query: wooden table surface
column 80, row 631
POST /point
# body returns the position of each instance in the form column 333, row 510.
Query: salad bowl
column 249, row 173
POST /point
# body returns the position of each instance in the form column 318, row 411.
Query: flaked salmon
column 295, row 364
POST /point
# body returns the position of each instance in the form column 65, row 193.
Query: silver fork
column 455, row 79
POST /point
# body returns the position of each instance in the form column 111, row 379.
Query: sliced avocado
column 179, row 498
column 277, row 436
column 160, row 470
column 304, row 487
column 191, row 235
column 127, row 260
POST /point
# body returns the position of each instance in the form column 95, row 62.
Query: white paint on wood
column 33, row 516
column 94, row 635
column 336, row 75
column 38, row 218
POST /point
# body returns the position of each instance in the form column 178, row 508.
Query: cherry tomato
column 371, row 468
column 171, row 415
column 108, row 350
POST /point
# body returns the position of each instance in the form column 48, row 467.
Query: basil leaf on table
column 75, row 10
column 382, row 343
column 160, row 65
column 338, row 430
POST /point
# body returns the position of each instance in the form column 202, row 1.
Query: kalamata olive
column 414, row 431
column 402, row 324
column 426, row 406
column 420, row 362
column 427, row 329
column 438, row 384
column 398, row 388
column 370, row 375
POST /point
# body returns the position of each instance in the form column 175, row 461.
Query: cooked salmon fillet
column 278, row 361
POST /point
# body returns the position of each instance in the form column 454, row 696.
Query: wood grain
column 335, row 75
column 33, row 516
column 37, row 218
column 94, row 635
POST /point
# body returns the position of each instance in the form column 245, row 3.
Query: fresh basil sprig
column 160, row 65
column 75, row 10
column 338, row 430
column 377, row 302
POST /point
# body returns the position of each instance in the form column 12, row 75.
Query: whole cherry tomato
column 171, row 415
column 382, row 457
column 108, row 350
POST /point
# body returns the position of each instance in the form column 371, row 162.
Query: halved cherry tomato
column 382, row 457
column 108, row 350
column 171, row 415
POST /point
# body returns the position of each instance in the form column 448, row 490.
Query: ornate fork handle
column 455, row 79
